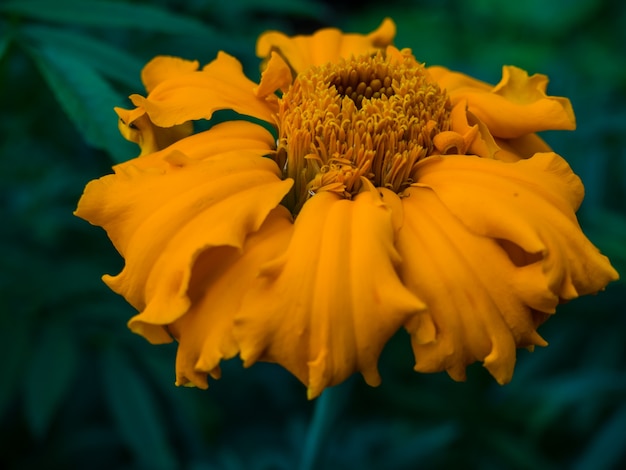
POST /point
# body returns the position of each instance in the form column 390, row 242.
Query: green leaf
column 555, row 396
column 514, row 451
column 107, row 60
column 87, row 99
column 301, row 8
column 607, row 229
column 419, row 446
column 549, row 18
column 80, row 443
column 5, row 40
column 49, row 376
column 135, row 411
column 110, row 14
column 606, row 449
column 16, row 343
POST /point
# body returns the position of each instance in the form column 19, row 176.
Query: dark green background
column 78, row 390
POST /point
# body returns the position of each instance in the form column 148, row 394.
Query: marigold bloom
column 389, row 195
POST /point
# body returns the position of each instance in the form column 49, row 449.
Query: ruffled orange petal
column 231, row 197
column 162, row 68
column 325, row 309
column 197, row 95
column 453, row 81
column 516, row 106
column 325, row 45
column 227, row 136
column 276, row 76
column 162, row 211
column 219, row 280
column 479, row 300
column 467, row 135
column 512, row 150
column 220, row 139
column 529, row 204
column 135, row 126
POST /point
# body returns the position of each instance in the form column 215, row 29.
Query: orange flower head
column 368, row 194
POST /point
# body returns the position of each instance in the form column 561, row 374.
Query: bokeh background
column 79, row 391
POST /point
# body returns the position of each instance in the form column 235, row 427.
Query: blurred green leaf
column 515, row 452
column 87, row 99
column 107, row 60
column 159, row 369
column 49, row 376
column 110, row 14
column 549, row 18
column 387, row 443
column 5, row 40
column 16, row 342
column 555, row 396
column 135, row 411
column 419, row 447
column 607, row 229
column 83, row 442
column 607, row 446
column 302, row 8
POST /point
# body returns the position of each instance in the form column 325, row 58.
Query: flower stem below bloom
column 325, row 412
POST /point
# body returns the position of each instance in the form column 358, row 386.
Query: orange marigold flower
column 389, row 195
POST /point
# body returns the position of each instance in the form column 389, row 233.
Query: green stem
column 326, row 410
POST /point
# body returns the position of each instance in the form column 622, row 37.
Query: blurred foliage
column 78, row 390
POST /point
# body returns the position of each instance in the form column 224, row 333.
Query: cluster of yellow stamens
column 370, row 117
column 362, row 84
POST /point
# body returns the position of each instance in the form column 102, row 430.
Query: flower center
column 368, row 118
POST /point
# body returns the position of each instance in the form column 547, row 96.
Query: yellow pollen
column 372, row 117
